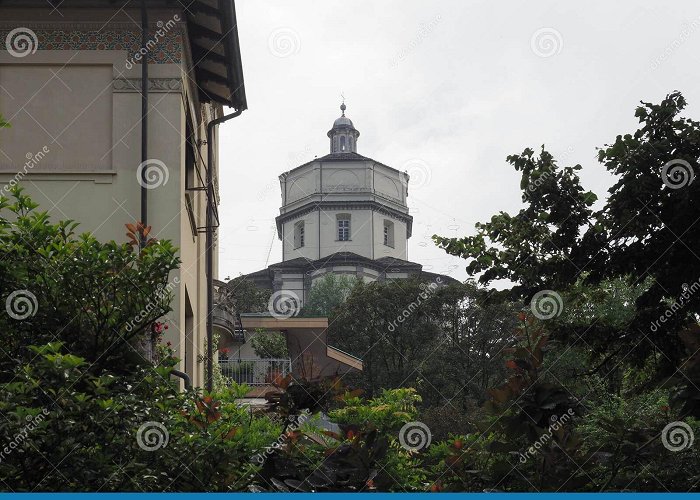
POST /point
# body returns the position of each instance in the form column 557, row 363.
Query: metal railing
column 255, row 372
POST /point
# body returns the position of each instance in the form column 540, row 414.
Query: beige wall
column 75, row 103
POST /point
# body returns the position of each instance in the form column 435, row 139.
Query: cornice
column 345, row 205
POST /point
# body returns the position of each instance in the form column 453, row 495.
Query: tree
column 269, row 344
column 440, row 339
column 242, row 295
column 327, row 293
column 644, row 235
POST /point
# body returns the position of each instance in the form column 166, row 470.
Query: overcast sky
column 445, row 90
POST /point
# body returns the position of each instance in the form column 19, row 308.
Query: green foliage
column 387, row 412
column 327, row 293
column 440, row 339
column 99, row 299
column 637, row 250
column 87, row 438
column 269, row 344
column 3, row 123
column 243, row 296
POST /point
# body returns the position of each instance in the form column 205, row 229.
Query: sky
column 444, row 90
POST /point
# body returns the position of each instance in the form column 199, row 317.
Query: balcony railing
column 255, row 372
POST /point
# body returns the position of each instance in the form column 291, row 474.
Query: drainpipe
column 210, row 243
column 144, row 116
column 183, row 376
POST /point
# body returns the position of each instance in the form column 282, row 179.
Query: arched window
column 299, row 234
column 388, row 233
column 343, row 221
column 342, row 143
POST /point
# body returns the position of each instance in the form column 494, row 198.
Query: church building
column 343, row 213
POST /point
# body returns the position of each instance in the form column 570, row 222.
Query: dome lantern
column 343, row 135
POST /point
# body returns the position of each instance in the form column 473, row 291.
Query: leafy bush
column 270, row 344
column 122, row 433
column 99, row 299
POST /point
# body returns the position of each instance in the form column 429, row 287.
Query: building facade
column 342, row 213
column 71, row 86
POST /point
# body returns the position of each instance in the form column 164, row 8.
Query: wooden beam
column 270, row 323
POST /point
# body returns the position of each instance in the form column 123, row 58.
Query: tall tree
column 645, row 234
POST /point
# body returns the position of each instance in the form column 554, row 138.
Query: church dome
column 343, row 121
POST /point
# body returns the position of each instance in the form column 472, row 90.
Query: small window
column 389, row 233
column 343, row 227
column 342, row 143
column 299, row 234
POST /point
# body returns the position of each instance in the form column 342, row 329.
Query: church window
column 343, row 227
column 299, row 234
column 388, row 233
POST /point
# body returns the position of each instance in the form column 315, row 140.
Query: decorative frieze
column 154, row 85
column 165, row 49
